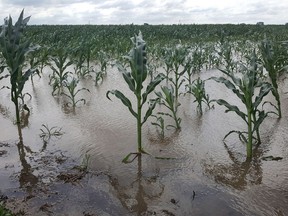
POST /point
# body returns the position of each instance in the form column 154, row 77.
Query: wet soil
column 80, row 172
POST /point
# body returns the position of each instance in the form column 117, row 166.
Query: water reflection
column 238, row 174
column 24, row 118
column 134, row 196
column 26, row 179
column 4, row 111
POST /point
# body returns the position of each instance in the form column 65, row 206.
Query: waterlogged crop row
column 248, row 66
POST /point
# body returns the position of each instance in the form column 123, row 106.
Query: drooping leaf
column 124, row 100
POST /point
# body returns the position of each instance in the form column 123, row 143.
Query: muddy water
column 207, row 177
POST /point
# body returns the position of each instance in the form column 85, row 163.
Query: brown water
column 206, row 178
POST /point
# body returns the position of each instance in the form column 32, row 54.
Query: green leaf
column 151, row 86
column 232, row 108
column 150, row 110
column 124, row 100
column 264, row 90
column 129, row 80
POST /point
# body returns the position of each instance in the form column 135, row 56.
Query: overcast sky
column 147, row 11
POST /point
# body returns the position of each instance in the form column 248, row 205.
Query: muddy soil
column 80, row 172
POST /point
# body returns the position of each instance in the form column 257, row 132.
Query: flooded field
column 81, row 173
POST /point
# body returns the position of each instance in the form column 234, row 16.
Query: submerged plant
column 103, row 59
column 168, row 100
column 178, row 68
column 159, row 123
column 71, row 86
column 47, row 133
column 14, row 47
column 197, row 89
column 60, row 64
column 135, row 80
column 270, row 61
column 244, row 88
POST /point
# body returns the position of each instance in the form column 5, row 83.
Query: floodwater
column 206, row 176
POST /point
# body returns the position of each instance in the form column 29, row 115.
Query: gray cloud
column 151, row 11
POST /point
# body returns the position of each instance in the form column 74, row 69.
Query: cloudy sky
column 148, row 11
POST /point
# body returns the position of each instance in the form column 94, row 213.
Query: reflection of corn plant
column 197, row 89
column 71, row 86
column 168, row 100
column 14, row 48
column 59, row 74
column 85, row 163
column 159, row 123
column 135, row 80
column 22, row 98
column 270, row 60
column 244, row 88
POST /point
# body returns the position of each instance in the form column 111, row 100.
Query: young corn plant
column 159, row 123
column 59, row 74
column 270, row 61
column 71, row 86
column 226, row 53
column 168, row 100
column 103, row 59
column 47, row 133
column 179, row 67
column 136, row 79
column 14, row 47
column 79, row 59
column 2, row 68
column 167, row 60
column 197, row 89
column 245, row 88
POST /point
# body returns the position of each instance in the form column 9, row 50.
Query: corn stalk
column 14, row 47
column 244, row 88
column 135, row 80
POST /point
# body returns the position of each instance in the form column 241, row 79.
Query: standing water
column 204, row 175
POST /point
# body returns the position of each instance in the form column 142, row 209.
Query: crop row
column 251, row 58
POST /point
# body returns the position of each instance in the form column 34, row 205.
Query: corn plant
column 79, row 59
column 135, row 80
column 159, row 123
column 103, row 59
column 59, row 74
column 167, row 60
column 194, row 62
column 244, row 88
column 2, row 68
column 197, row 89
column 47, row 133
column 226, row 53
column 178, row 68
column 14, row 47
column 270, row 61
column 168, row 100
column 71, row 86
column 44, row 57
